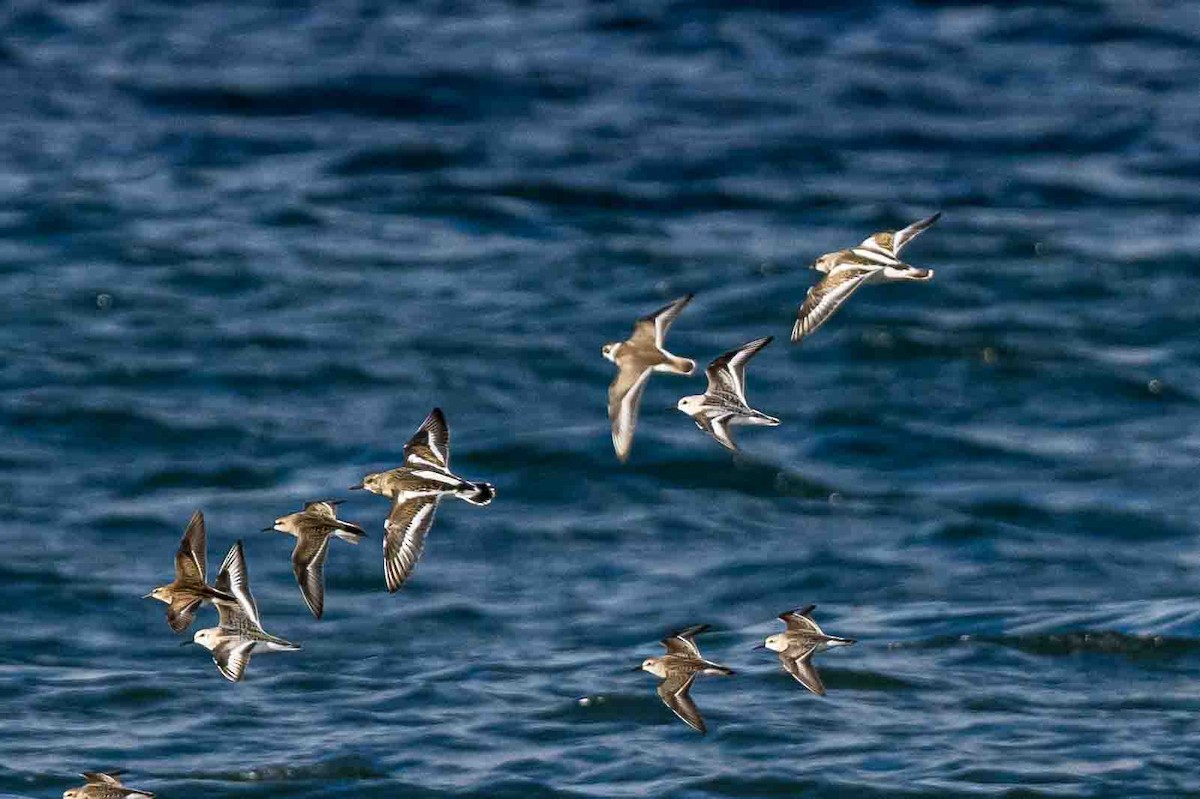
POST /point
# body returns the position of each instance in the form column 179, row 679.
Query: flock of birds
column 417, row 486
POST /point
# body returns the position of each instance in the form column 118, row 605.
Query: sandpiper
column 190, row 589
column 102, row 785
column 677, row 670
column 415, row 490
column 724, row 403
column 876, row 260
column 240, row 630
column 312, row 528
column 636, row 359
column 796, row 646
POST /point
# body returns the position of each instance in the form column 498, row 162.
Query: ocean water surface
column 245, row 247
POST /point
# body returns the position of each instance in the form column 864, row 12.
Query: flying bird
column 677, row 670
column 415, row 489
column 313, row 528
column 876, row 260
column 796, row 646
column 636, row 359
column 239, row 631
column 190, row 588
column 724, row 403
column 102, row 785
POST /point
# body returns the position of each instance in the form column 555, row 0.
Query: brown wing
column 800, row 620
column 406, row 527
column 674, row 693
column 652, row 328
column 431, row 443
column 624, row 399
column 682, row 643
column 797, row 660
column 323, row 508
column 182, row 611
column 190, row 559
column 827, row 296
column 308, row 564
column 727, row 372
column 102, row 778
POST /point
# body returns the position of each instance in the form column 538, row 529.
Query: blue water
column 245, row 247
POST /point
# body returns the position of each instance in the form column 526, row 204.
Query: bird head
column 690, row 405
column 162, row 594
column 610, row 349
column 827, row 262
column 206, row 638
column 776, row 643
column 654, row 666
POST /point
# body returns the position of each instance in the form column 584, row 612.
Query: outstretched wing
column 902, row 237
column 190, row 559
column 683, row 643
column 430, row 445
column 797, row 660
column 235, row 579
column 232, row 658
column 624, row 399
column 404, row 540
column 308, row 564
column 653, row 327
column 800, row 620
column 674, row 693
column 727, row 372
column 827, row 296
column 102, row 778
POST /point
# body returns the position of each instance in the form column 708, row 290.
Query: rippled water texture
column 244, row 249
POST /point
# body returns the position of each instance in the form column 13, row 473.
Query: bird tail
column 349, row 532
column 798, row 331
column 281, row 645
column 724, row 671
column 477, row 493
column 685, row 366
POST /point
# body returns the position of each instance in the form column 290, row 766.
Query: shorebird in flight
column 239, row 631
column 636, row 359
column 190, row 588
column 677, row 670
column 724, row 403
column 312, row 528
column 876, row 260
column 415, row 489
column 102, row 785
column 796, row 646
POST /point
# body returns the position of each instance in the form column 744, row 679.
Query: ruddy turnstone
column 876, row 260
column 415, row 490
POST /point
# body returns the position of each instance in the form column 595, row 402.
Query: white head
column 777, row 642
column 691, row 405
column 610, row 349
column 207, row 638
column 655, row 667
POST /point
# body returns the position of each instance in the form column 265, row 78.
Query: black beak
column 149, row 596
column 636, row 668
column 186, row 643
column 268, row 529
column 760, row 646
column 358, row 487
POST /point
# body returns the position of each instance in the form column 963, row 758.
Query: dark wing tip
column 805, row 610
